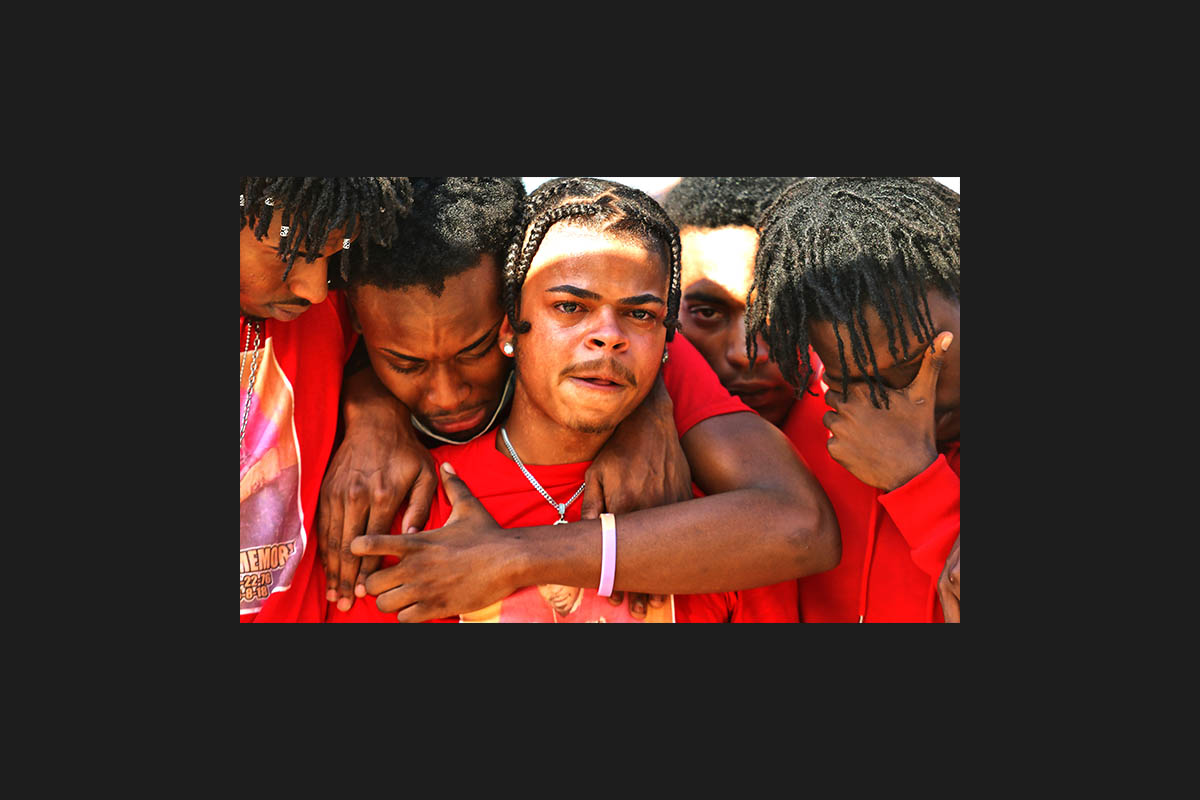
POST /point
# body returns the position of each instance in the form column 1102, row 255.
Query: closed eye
column 405, row 369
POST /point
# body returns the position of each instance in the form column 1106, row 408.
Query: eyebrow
column 706, row 297
column 585, row 294
column 466, row 349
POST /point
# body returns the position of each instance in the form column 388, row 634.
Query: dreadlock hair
column 314, row 208
column 718, row 202
column 829, row 246
column 454, row 222
column 600, row 205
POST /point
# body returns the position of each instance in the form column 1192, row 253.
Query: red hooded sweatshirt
column 894, row 544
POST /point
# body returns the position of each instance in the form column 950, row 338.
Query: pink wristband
column 608, row 563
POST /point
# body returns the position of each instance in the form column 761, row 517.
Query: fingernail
column 946, row 342
column 344, row 604
column 360, row 591
column 412, row 529
column 331, row 596
column 449, row 468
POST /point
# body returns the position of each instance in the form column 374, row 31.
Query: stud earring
column 507, row 348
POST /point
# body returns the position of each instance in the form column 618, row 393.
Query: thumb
column 593, row 500
column 456, row 491
column 925, row 383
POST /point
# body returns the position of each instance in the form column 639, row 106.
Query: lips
column 600, row 379
column 597, row 383
column 749, row 391
column 286, row 313
column 459, row 422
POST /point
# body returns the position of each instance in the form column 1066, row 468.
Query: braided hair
column 598, row 204
column 718, row 202
column 315, row 208
column 830, row 246
column 453, row 223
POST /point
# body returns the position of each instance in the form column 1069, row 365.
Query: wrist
column 564, row 554
column 380, row 411
column 915, row 467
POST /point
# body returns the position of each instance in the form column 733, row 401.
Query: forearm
column 725, row 542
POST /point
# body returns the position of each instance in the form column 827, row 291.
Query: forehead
column 424, row 322
column 724, row 256
column 572, row 250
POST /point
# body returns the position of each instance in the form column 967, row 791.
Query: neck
column 538, row 439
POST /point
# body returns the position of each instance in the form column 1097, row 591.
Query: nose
column 735, row 346
column 308, row 281
column 606, row 331
column 447, row 391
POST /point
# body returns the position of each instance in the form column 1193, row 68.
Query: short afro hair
column 717, row 202
column 453, row 223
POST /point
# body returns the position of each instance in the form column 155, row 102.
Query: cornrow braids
column 604, row 205
column 828, row 247
column 314, row 208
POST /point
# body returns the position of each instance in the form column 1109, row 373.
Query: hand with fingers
column 948, row 587
column 374, row 472
column 641, row 466
column 887, row 447
column 463, row 566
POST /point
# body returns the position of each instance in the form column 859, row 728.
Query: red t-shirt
column 894, row 544
column 289, row 436
column 503, row 490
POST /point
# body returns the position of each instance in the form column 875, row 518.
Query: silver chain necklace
column 561, row 508
column 256, row 325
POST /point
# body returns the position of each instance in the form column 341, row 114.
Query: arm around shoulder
column 743, row 456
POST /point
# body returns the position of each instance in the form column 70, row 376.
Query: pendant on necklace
column 561, row 522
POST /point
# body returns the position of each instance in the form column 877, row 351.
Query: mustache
column 602, row 365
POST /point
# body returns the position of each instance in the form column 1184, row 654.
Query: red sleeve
column 694, row 388
column 926, row 511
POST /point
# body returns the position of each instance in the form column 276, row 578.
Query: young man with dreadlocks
column 865, row 271
column 591, row 296
column 295, row 337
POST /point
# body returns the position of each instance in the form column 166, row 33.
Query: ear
column 507, row 334
column 353, row 315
